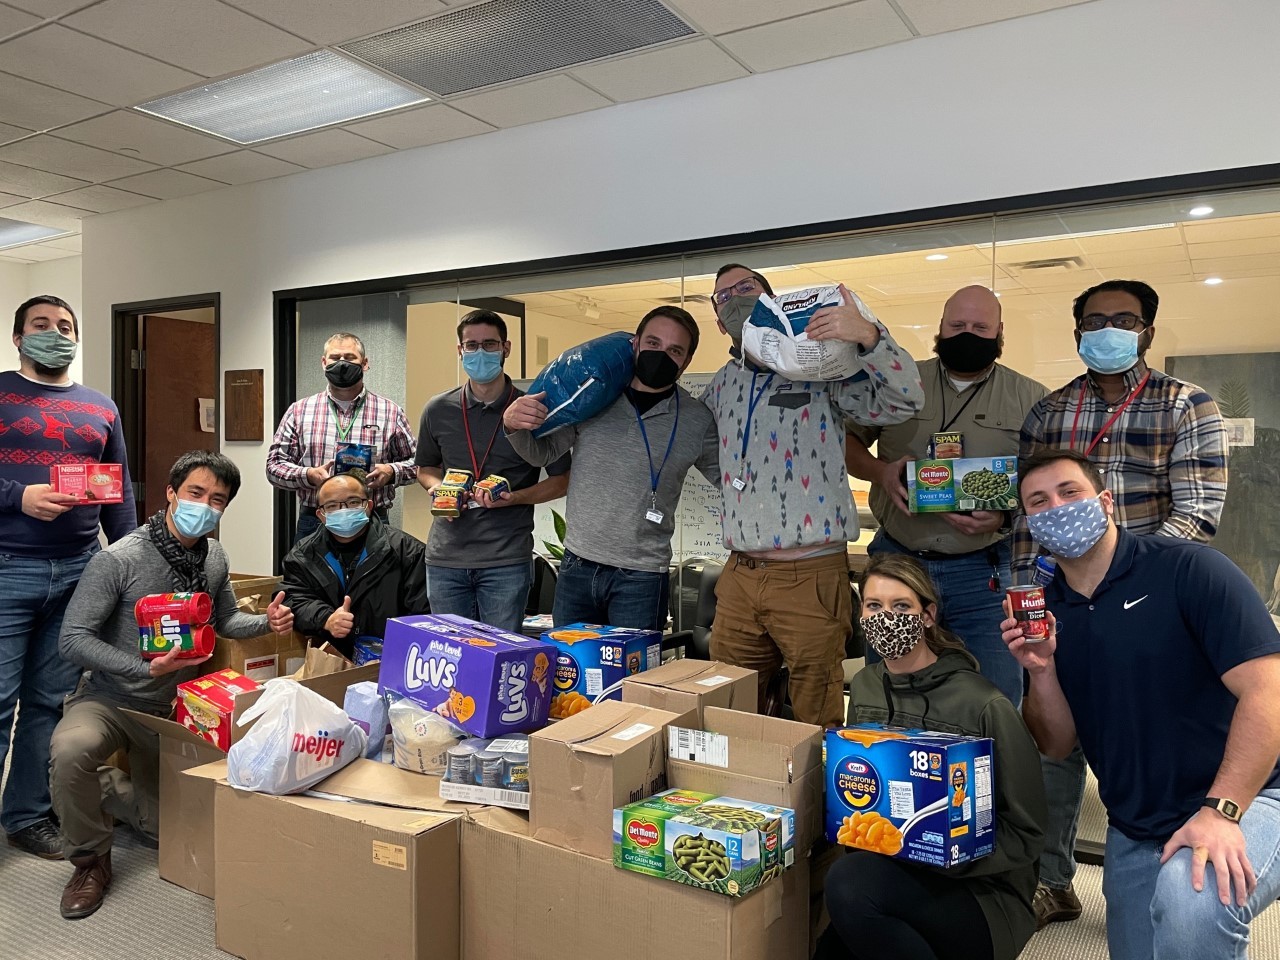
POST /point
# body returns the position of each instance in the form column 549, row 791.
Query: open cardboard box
column 263, row 657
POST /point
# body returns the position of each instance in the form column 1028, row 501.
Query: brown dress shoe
column 84, row 891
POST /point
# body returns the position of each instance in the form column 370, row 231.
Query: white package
column 421, row 737
column 775, row 336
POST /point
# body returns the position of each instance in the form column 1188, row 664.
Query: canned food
column 175, row 620
column 459, row 478
column 193, row 608
column 515, row 772
column 488, row 768
column 947, row 446
column 457, row 765
column 495, row 485
column 448, row 500
column 1029, row 610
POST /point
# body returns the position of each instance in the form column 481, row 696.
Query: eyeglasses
column 354, row 503
column 488, row 346
column 743, row 288
column 1121, row 321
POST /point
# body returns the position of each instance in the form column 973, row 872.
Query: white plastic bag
column 421, row 738
column 775, row 336
column 300, row 738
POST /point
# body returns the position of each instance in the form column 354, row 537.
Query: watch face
column 1231, row 809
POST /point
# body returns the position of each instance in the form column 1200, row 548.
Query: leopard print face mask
column 893, row 635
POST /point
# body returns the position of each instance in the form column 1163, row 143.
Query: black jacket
column 389, row 581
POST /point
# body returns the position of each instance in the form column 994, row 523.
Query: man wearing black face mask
column 967, row 555
column 629, row 465
column 346, row 426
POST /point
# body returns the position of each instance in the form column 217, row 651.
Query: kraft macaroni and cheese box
column 913, row 794
column 484, row 680
column 971, row 483
column 591, row 657
column 717, row 843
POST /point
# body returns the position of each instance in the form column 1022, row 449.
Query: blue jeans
column 970, row 608
column 588, row 592
column 32, row 674
column 493, row 595
column 1153, row 911
column 1064, row 782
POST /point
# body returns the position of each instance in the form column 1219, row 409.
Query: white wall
column 19, row 281
column 1103, row 92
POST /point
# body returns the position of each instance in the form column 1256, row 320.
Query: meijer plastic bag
column 774, row 336
column 584, row 380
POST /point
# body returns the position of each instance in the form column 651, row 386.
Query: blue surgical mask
column 1070, row 529
column 482, row 366
column 1109, row 350
column 346, row 522
column 48, row 348
column 195, row 520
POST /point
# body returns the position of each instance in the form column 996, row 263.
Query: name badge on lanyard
column 653, row 514
column 739, row 482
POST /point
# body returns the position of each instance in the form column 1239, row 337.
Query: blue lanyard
column 655, row 474
column 751, row 412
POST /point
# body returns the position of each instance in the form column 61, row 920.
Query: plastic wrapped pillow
column 584, row 380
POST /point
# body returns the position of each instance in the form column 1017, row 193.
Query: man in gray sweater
column 170, row 553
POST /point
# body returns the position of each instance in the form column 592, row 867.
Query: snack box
column 492, row 772
column 205, row 705
column 591, row 658
column 971, row 483
column 720, row 844
column 494, row 484
column 458, row 478
column 90, row 483
column 484, row 680
column 913, row 794
column 447, row 501
column 352, row 456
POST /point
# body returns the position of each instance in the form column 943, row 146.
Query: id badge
column 654, row 515
column 739, row 484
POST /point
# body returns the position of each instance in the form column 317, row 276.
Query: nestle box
column 487, row 681
column 584, row 767
column 913, row 794
column 591, row 658
column 763, row 759
column 684, row 685
column 972, row 483
column 90, row 483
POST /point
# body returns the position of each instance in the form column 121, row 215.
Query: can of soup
column 1029, row 610
column 458, row 759
column 488, row 768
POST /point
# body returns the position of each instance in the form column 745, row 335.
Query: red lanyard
column 476, row 468
column 1114, row 417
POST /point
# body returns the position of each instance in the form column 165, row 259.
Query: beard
column 47, row 371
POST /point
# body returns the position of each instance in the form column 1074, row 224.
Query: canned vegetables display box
column 913, row 794
column 484, row 680
column 720, row 844
column 972, row 483
column 591, row 657
column 90, row 483
column 492, row 772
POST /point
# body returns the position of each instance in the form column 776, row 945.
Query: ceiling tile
column 332, row 21
column 930, row 16
column 39, row 252
column 325, row 148
column 12, row 259
column 28, row 182
column 75, row 244
column 154, row 140
column 8, row 133
column 45, row 152
column 661, row 71
column 530, row 102
column 49, row 8
column 11, row 20
column 723, row 16
column 37, row 107
column 101, row 70
column 101, row 199
column 245, row 166
column 166, row 184
column 817, row 36
column 8, row 199
column 47, row 214
column 417, row 128
column 205, row 36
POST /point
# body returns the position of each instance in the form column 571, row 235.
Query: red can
column 1029, row 610
column 192, row 608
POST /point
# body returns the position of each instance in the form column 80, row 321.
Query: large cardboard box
column 329, row 879
column 527, row 899
column 268, row 655
column 684, row 685
column 762, row 759
column 582, row 768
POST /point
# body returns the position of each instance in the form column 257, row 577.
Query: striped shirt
column 1164, row 459
column 308, row 437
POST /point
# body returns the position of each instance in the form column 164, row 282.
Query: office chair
column 542, row 593
column 694, row 602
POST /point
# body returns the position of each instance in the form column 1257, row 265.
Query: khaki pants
column 89, row 796
column 797, row 612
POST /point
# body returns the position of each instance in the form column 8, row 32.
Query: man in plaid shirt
column 347, row 422
column 1161, row 446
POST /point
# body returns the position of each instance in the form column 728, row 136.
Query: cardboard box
column 591, row 658
column 91, row 483
column 205, row 704
column 301, row 876
column 764, row 759
column 267, row 655
column 561, row 903
column 935, row 789
column 582, row 768
column 508, row 785
column 684, row 685
column 485, row 680
column 972, row 483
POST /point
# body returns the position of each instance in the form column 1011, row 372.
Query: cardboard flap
column 372, row 782
column 167, row 728
column 678, row 673
column 608, row 728
column 208, row 771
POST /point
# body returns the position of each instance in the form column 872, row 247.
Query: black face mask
column 967, row 352
column 656, row 370
column 343, row 374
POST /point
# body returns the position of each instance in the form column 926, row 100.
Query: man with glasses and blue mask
column 479, row 564
column 1161, row 446
column 344, row 581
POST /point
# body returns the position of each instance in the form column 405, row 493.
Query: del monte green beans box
column 971, row 483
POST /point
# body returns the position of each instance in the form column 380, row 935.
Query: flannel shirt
column 1164, row 459
column 308, row 437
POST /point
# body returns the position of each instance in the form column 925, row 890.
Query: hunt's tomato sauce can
column 1029, row 611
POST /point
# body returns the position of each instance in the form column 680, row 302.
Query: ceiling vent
column 1051, row 265
column 690, row 298
column 511, row 39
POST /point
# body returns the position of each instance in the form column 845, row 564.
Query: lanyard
column 655, row 474
column 751, row 412
column 476, row 468
column 337, row 416
column 942, row 388
column 1114, row 417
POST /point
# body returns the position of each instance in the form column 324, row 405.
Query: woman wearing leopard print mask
column 895, row 909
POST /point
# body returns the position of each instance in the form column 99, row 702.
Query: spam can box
column 206, row 703
column 459, row 478
column 913, row 794
column 592, row 657
column 447, row 501
column 90, row 483
column 494, row 485
column 946, row 446
column 720, row 844
column 954, row 486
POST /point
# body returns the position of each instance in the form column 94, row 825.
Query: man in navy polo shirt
column 1163, row 661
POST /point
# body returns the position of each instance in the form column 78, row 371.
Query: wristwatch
column 1228, row 808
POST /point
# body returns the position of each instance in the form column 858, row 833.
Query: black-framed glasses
column 488, row 346
column 743, row 288
column 351, row 503
column 1121, row 321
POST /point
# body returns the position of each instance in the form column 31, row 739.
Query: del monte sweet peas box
column 969, row 483
column 484, row 680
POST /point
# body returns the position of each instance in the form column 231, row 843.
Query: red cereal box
column 206, row 703
column 90, row 483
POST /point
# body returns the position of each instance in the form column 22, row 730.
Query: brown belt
column 754, row 563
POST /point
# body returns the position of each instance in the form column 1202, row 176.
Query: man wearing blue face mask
column 347, row 578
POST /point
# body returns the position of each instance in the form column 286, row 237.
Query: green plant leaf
column 1233, row 398
column 558, row 520
column 556, row 551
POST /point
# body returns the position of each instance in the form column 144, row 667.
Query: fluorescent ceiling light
column 1212, row 281
column 17, row 233
column 1201, row 211
column 285, row 98
column 936, row 256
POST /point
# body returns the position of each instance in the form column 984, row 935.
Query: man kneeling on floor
column 170, row 553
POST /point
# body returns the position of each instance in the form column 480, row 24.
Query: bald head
column 342, row 487
column 974, row 307
column 970, row 337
